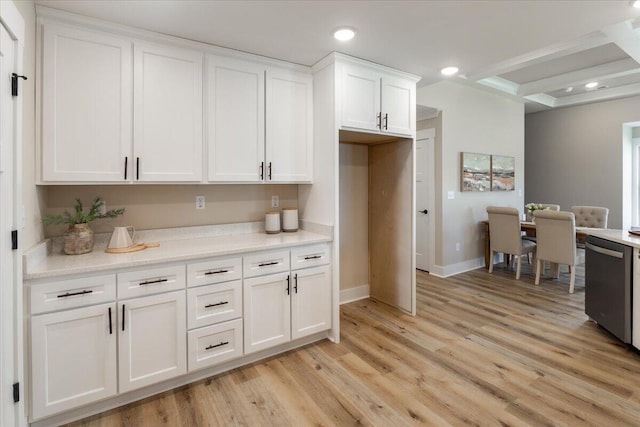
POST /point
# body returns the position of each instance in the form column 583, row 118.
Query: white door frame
column 11, row 326
column 430, row 170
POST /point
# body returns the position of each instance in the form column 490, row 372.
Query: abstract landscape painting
column 476, row 172
column 503, row 173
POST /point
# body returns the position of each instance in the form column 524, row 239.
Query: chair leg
column 538, row 264
column 518, row 268
column 490, row 261
column 573, row 279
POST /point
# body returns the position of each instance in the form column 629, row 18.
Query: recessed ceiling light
column 569, row 89
column 636, row 4
column 449, row 71
column 344, row 34
column 591, row 85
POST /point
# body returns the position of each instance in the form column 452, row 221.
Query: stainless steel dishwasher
column 608, row 275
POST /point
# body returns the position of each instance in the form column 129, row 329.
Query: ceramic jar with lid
column 272, row 222
column 289, row 219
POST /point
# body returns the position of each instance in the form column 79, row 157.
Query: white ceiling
column 491, row 41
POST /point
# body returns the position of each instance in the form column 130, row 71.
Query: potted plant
column 79, row 237
column 531, row 208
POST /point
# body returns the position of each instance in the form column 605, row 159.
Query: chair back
column 504, row 230
column 590, row 216
column 556, row 236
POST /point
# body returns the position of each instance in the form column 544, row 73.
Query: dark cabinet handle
column 288, row 280
column 295, row 281
column 379, row 121
column 216, row 345
column 216, row 304
column 265, row 264
column 137, row 168
column 269, row 171
column 126, row 163
column 71, row 294
column 312, row 257
column 123, row 317
column 215, row 272
column 261, row 171
column 386, row 120
column 151, row 282
column 110, row 324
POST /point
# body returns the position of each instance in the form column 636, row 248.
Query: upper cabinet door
column 86, row 85
column 398, row 106
column 360, row 98
column 289, row 126
column 167, row 113
column 235, row 120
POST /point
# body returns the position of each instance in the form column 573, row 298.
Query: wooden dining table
column 530, row 229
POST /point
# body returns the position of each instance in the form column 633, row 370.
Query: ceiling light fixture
column 569, row 89
column 344, row 34
column 591, row 85
column 449, row 71
column 636, row 4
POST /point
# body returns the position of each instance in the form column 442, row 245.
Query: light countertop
column 45, row 262
column 619, row 236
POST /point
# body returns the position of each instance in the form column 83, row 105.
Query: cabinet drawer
column 72, row 293
column 309, row 256
column 265, row 263
column 214, row 271
column 214, row 344
column 151, row 281
column 211, row 304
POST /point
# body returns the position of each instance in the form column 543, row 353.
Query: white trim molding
column 354, row 294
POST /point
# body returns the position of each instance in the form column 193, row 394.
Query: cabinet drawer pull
column 216, row 304
column 386, row 121
column 215, row 272
column 269, row 171
column 288, row 283
column 295, row 281
column 265, row 264
column 123, row 317
column 126, row 161
column 151, row 282
column 216, row 345
column 313, row 257
column 71, row 294
column 261, row 171
column 379, row 121
column 137, row 168
column 110, row 324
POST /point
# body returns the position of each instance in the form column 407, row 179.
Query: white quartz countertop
column 619, row 236
column 57, row 263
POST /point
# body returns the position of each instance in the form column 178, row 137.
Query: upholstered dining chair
column 556, row 242
column 590, row 216
column 504, row 235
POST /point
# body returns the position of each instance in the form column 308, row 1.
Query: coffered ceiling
column 530, row 50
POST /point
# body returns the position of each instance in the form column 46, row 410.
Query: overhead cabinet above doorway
column 121, row 109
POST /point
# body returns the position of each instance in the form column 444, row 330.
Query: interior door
column 424, row 198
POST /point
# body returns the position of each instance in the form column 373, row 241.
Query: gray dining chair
column 505, row 237
column 556, row 242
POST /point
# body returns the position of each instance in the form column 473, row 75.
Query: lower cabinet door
column 267, row 311
column 310, row 301
column 151, row 339
column 73, row 358
column 214, row 344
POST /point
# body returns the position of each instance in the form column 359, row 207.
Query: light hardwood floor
column 484, row 349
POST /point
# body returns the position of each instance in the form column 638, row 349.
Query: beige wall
column 162, row 206
column 354, row 213
column 473, row 120
column 574, row 155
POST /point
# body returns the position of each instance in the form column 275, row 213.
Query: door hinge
column 14, row 83
column 14, row 240
column 16, row 392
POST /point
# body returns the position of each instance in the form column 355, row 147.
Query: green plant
column 80, row 216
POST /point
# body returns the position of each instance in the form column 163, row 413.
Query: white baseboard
column 354, row 294
column 453, row 269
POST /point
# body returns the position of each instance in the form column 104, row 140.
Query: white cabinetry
column 86, row 119
column 167, row 113
column 310, row 301
column 377, row 101
column 151, row 339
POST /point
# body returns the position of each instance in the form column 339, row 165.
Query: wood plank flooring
column 483, row 350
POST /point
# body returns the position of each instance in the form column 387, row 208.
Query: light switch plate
column 451, row 195
column 275, row 201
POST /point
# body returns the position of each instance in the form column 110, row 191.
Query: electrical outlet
column 275, row 201
column 199, row 202
column 457, row 246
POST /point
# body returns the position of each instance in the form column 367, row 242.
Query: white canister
column 272, row 222
column 290, row 219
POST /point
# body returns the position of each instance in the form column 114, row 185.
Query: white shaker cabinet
column 310, row 301
column 376, row 101
column 86, row 98
column 289, row 129
column 73, row 358
column 151, row 339
column 235, row 120
column 167, row 113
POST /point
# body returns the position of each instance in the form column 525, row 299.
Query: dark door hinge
column 14, row 83
column 16, row 392
column 14, row 240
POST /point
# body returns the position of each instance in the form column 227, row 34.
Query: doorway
column 425, row 199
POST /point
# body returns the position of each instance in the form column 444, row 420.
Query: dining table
column 529, row 227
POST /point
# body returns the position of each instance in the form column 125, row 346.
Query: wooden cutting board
column 134, row 248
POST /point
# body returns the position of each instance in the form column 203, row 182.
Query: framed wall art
column 503, row 173
column 476, row 172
